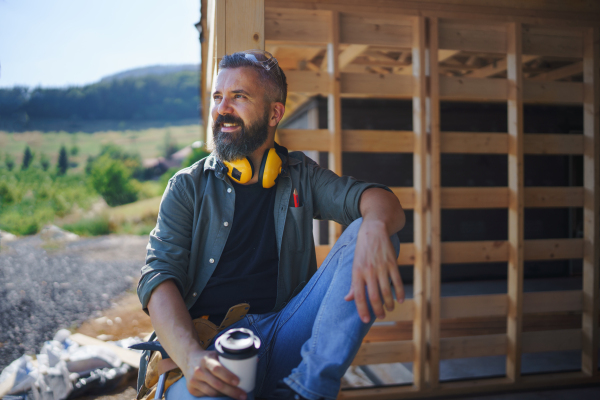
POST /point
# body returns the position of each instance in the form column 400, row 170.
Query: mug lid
column 238, row 343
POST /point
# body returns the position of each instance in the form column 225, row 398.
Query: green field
column 149, row 143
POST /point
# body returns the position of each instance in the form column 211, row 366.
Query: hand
column 206, row 376
column 374, row 265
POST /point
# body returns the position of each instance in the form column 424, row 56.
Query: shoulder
column 300, row 159
column 194, row 175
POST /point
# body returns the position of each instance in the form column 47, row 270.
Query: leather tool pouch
column 206, row 331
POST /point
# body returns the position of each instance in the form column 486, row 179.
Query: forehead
column 243, row 78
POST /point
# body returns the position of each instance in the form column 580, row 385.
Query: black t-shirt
column 247, row 270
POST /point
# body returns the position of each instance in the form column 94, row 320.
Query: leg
column 326, row 327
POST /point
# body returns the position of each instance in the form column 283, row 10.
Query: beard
column 234, row 146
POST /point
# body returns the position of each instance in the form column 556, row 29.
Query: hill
column 151, row 70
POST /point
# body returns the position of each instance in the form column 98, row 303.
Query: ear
column 276, row 114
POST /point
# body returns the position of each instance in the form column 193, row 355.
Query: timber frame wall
column 432, row 30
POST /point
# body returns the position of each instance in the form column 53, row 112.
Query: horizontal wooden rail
column 406, row 195
column 459, row 35
column 553, row 42
column 385, row 352
column 553, row 143
column 376, row 30
column 377, row 85
column 497, row 143
column 294, row 25
column 554, row 197
column 406, row 257
column 304, row 139
column 371, row 141
column 474, row 197
column 309, row 82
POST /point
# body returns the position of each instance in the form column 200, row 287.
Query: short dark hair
column 276, row 88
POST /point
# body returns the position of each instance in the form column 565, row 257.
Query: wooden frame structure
column 429, row 51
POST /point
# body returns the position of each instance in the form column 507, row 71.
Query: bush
column 96, row 226
column 111, row 179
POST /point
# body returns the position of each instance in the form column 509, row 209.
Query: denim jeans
column 311, row 342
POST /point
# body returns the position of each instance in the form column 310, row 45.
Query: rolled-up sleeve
column 337, row 198
column 168, row 250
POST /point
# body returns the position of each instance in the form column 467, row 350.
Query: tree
column 111, row 178
column 9, row 161
column 44, row 162
column 27, row 158
column 63, row 161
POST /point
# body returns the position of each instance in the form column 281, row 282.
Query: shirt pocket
column 296, row 231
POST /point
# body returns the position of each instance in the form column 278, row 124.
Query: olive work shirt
column 196, row 214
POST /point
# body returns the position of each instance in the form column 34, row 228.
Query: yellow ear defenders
column 242, row 170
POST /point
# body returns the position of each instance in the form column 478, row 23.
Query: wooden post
column 516, row 201
column 421, row 202
column 591, row 208
column 334, row 109
column 245, row 22
column 434, row 280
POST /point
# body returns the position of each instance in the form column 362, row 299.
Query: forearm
column 379, row 205
column 173, row 324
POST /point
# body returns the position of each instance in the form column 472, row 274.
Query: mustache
column 228, row 118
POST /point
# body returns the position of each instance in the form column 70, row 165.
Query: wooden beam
column 245, row 22
column 553, row 143
column 296, row 25
column 373, row 29
column 310, row 82
column 554, row 42
column 474, row 306
column 553, row 301
column 516, row 204
column 453, row 88
column 474, row 197
column 129, row 357
column 401, row 312
column 560, row 73
column 435, row 268
column 553, row 249
column 377, row 85
column 542, row 92
column 304, row 139
column 384, row 352
column 474, row 252
column 406, row 195
column 474, row 143
column 421, row 231
column 334, row 109
column 350, row 53
column 497, row 67
column 444, row 55
column 591, row 204
column 378, row 141
column 554, row 197
column 476, row 37
column 558, row 340
column 473, row 346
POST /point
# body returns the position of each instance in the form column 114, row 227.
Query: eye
column 239, row 96
column 217, row 98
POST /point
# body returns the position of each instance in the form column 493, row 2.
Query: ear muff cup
column 240, row 170
column 270, row 168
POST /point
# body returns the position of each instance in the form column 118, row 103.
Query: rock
column 7, row 236
column 53, row 232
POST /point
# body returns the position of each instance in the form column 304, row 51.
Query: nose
column 224, row 107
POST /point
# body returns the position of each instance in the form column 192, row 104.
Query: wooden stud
column 421, row 207
column 245, row 21
column 497, row 67
column 516, row 202
column 334, row 109
column 350, row 53
column 591, row 200
column 434, row 280
column 202, row 92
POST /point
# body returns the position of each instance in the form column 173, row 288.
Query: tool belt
column 206, row 332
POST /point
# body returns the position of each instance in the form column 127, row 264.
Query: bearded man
column 223, row 239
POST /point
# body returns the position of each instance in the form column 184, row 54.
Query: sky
column 57, row 43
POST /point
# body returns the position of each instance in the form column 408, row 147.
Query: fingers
column 398, row 284
column 211, row 378
column 374, row 297
column 361, row 302
column 386, row 291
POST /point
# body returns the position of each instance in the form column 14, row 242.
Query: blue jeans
column 311, row 342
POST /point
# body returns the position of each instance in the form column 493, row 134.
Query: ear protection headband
column 242, row 170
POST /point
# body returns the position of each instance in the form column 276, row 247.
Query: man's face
column 240, row 113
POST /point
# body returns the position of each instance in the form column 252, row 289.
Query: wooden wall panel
column 378, row 141
column 469, row 36
column 377, row 85
column 295, row 25
column 385, row 352
column 375, row 30
column 309, row 82
column 472, row 89
column 248, row 18
column 553, row 143
column 304, row 139
column 552, row 41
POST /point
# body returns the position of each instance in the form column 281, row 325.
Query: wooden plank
column 406, row 195
column 560, row 73
column 444, row 55
column 553, row 42
column 304, row 139
column 591, row 204
column 474, row 306
column 375, row 29
column 542, row 92
column 378, row 141
column 435, row 280
column 401, row 312
column 516, row 204
column 407, row 254
column 474, row 197
column 468, row 36
column 384, row 352
column 220, row 29
column 473, row 346
column 460, row 88
column 474, row 143
column 296, row 25
column 307, row 82
column 334, row 109
column 553, row 249
column 350, row 53
column 377, row 85
column 496, row 67
column 553, row 197
column 553, row 143
column 553, row 301
column 421, row 207
column 246, row 25
column 475, row 252
column 559, row 340
column 129, row 357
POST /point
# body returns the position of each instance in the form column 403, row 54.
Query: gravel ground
column 45, row 286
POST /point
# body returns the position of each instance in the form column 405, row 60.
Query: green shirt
column 197, row 210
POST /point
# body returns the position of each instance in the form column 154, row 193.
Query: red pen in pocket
column 296, row 201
